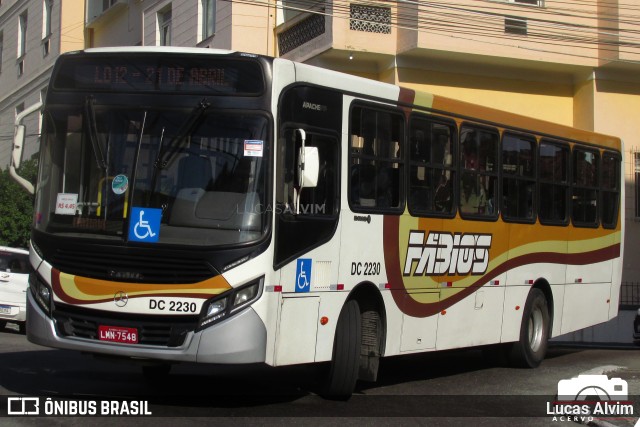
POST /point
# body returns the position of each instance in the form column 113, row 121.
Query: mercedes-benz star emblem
column 121, row 299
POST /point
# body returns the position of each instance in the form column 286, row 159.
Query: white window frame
column 23, row 24
column 164, row 25
column 47, row 11
column 538, row 3
column 208, row 21
column 1, row 49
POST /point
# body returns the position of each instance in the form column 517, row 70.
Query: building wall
column 121, row 27
column 67, row 21
column 241, row 27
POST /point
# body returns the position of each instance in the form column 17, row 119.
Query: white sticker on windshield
column 253, row 147
column 66, row 203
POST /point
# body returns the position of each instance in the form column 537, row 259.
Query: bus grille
column 166, row 332
column 112, row 264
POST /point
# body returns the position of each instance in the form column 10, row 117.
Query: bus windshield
column 202, row 170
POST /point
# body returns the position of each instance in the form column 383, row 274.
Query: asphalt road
column 445, row 388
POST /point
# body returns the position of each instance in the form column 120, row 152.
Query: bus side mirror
column 308, row 167
column 18, row 144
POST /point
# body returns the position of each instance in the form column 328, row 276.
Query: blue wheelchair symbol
column 303, row 275
column 144, row 225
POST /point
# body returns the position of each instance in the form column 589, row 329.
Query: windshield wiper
column 90, row 115
column 166, row 154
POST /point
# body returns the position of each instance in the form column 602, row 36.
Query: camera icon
column 592, row 388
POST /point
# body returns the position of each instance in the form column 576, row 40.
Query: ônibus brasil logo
column 587, row 397
column 447, row 253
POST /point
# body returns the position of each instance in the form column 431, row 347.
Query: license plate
column 118, row 334
column 5, row 309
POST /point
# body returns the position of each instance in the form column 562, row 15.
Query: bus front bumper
column 239, row 339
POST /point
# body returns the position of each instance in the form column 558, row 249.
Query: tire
column 345, row 363
column 22, row 327
column 3, row 324
column 534, row 332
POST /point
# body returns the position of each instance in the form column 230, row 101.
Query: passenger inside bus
column 363, row 178
column 473, row 199
column 442, row 156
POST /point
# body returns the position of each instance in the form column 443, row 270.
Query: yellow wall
column 618, row 109
column 72, row 25
column 541, row 100
column 584, row 105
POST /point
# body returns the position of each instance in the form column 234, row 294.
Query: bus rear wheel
column 530, row 350
column 345, row 363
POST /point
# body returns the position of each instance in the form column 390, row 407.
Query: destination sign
column 160, row 74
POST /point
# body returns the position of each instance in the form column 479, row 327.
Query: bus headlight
column 245, row 295
column 41, row 293
column 222, row 306
column 216, row 307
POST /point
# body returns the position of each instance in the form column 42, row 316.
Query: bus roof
column 158, row 49
column 466, row 110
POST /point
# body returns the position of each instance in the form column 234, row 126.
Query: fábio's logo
column 447, row 253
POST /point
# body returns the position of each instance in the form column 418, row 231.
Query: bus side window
column 518, row 177
column 554, row 182
column 584, row 199
column 478, row 172
column 610, row 189
column 376, row 160
column 431, row 170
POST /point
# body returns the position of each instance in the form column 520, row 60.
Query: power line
column 461, row 22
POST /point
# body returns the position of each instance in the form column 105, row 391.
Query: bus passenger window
column 554, row 182
column 478, row 154
column 610, row 189
column 376, row 160
column 431, row 171
column 584, row 200
column 518, row 177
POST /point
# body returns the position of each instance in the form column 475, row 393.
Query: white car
column 14, row 281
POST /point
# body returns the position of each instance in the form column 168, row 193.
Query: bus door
column 306, row 218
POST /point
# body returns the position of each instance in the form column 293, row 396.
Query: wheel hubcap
column 536, row 329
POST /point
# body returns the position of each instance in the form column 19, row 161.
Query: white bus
column 207, row 206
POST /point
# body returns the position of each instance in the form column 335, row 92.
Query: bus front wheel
column 345, row 362
column 530, row 350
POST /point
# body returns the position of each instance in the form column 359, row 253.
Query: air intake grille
column 166, row 332
column 133, row 267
